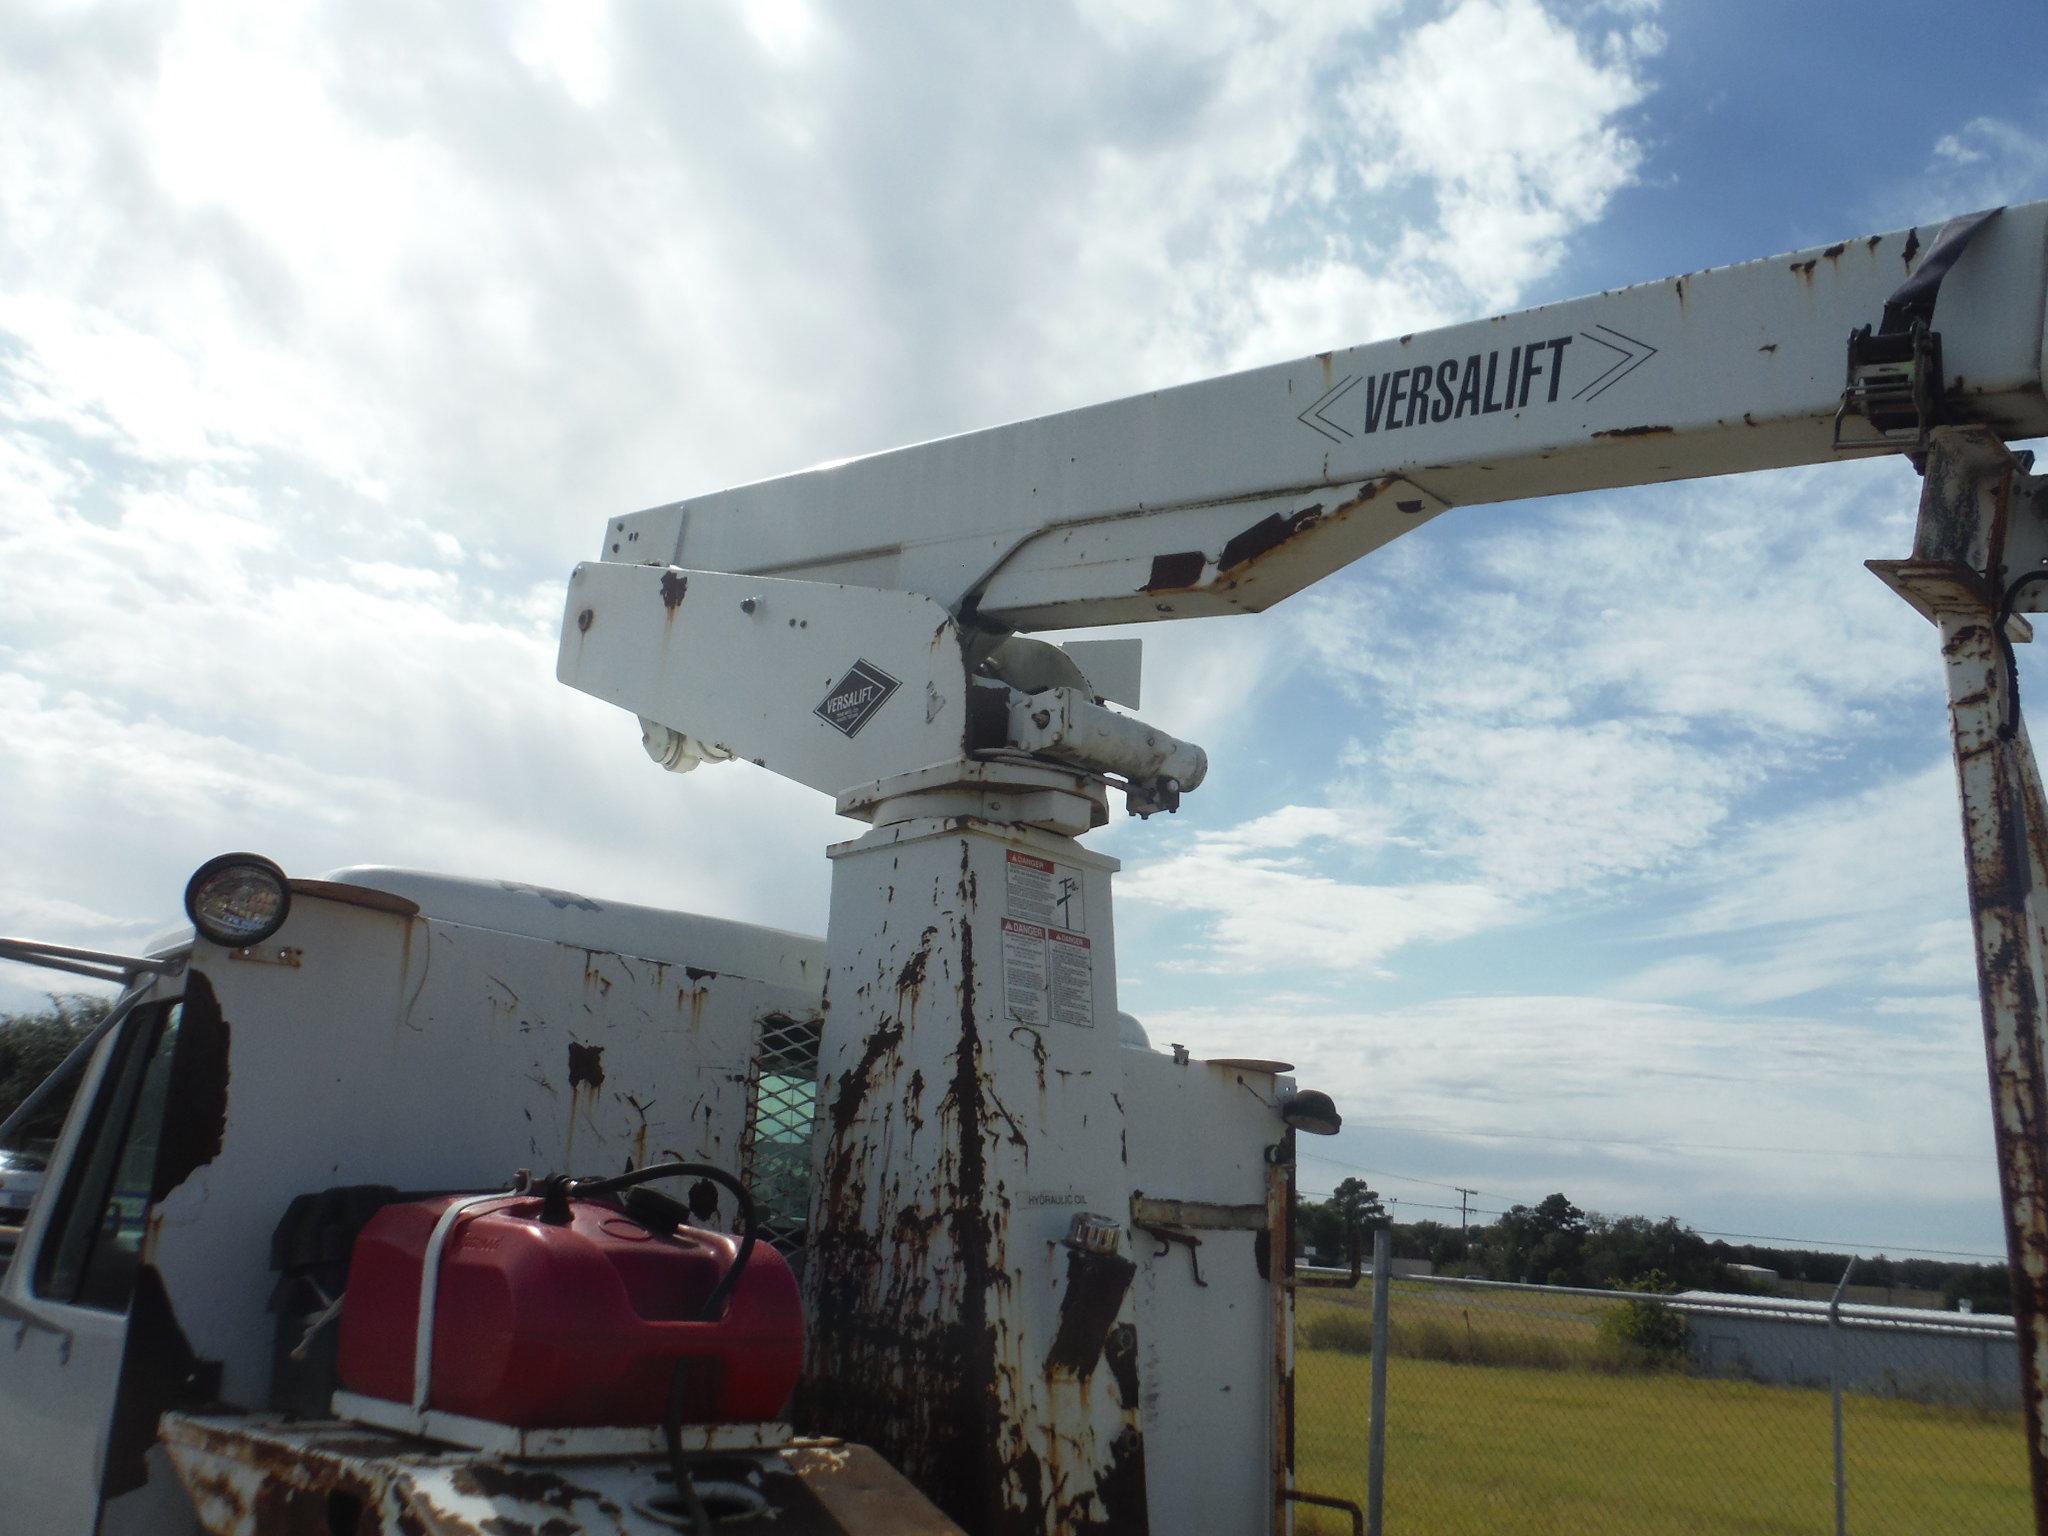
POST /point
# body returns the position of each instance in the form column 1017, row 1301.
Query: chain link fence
column 1539, row 1410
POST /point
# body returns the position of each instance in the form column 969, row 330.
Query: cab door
column 66, row 1300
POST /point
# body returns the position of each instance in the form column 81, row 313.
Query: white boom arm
column 1233, row 493
column 772, row 621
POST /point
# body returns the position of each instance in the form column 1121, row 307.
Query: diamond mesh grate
column 782, row 1111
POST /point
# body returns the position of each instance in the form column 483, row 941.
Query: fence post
column 1376, row 1443
column 1835, row 1394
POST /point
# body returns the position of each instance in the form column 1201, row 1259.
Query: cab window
column 94, row 1244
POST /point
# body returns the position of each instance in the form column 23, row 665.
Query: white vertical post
column 1835, row 1393
column 1376, row 1445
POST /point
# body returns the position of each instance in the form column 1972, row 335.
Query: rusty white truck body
column 429, row 1033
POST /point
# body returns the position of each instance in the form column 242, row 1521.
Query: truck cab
column 398, row 1030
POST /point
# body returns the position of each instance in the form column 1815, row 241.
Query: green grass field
column 1548, row 1451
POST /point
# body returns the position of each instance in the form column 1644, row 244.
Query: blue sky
column 1604, row 844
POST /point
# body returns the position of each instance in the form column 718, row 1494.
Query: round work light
column 238, row 899
column 1310, row 1109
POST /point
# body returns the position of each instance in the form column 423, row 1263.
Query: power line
column 1404, row 1178
column 1416, row 1205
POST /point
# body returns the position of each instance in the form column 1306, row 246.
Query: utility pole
column 1464, row 1213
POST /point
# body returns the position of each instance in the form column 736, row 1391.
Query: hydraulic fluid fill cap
column 658, row 1213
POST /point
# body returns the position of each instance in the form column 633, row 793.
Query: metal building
column 1931, row 1357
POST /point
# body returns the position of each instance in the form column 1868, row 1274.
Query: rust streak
column 1253, row 544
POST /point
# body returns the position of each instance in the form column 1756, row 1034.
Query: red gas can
column 543, row 1325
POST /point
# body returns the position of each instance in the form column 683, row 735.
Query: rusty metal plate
column 1199, row 1215
column 861, row 1492
column 262, row 1475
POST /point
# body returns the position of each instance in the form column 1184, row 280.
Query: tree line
column 31, row 1046
column 1554, row 1242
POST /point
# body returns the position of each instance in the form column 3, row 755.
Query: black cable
column 2011, row 723
column 713, row 1304
column 678, row 1469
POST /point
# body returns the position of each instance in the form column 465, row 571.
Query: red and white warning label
column 1039, row 891
column 1024, row 972
column 1072, row 966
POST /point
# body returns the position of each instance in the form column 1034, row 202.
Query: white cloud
column 1717, row 1105
column 545, row 258
column 1292, row 825
column 1512, row 120
column 574, row 44
column 324, row 343
column 24, row 913
column 1587, row 692
column 1985, row 162
column 1682, row 701
column 1538, row 808
column 1863, row 892
column 786, row 30
column 1990, row 143
column 1269, row 908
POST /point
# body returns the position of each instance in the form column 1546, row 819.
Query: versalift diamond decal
column 855, row 697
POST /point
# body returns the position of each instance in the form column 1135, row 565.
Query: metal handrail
column 99, row 964
column 1324, row 1501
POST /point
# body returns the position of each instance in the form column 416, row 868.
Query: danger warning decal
column 1071, row 963
column 1040, row 891
column 1048, row 961
column 1023, row 972
column 856, row 697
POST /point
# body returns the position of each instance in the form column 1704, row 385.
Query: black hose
column 678, row 1469
column 2006, row 608
column 672, row 1414
column 715, row 1302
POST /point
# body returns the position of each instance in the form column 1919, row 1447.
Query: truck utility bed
column 261, row 1474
